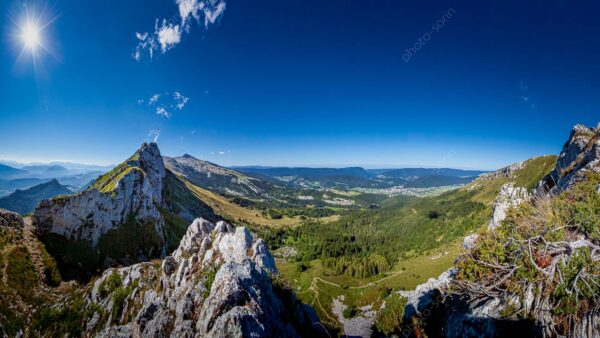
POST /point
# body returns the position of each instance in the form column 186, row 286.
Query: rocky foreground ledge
column 218, row 283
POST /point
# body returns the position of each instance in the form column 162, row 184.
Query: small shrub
column 389, row 319
column 118, row 297
column 111, row 283
column 209, row 279
column 62, row 321
column 350, row 312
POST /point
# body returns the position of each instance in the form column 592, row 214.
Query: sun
column 30, row 35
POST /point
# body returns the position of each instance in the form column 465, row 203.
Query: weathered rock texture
column 358, row 326
column 509, row 197
column 216, row 284
column 133, row 189
column 11, row 219
column 470, row 241
column 427, row 294
column 580, row 154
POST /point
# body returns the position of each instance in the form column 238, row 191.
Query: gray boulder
column 509, row 197
column 11, row 219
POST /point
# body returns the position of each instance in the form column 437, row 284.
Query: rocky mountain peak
column 128, row 196
column 216, row 284
column 580, row 155
column 150, row 159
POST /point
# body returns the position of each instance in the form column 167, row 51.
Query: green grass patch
column 110, row 284
column 20, row 273
column 64, row 320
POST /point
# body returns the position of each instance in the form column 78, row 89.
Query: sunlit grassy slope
column 238, row 214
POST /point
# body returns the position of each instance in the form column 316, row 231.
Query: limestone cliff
column 218, row 283
column 138, row 210
column 133, row 189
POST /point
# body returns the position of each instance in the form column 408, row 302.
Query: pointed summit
column 122, row 204
column 146, row 160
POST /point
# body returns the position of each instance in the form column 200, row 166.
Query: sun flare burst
column 30, row 35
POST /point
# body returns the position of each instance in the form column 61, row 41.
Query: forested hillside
column 367, row 242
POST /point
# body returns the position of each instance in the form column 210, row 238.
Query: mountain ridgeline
column 24, row 201
column 216, row 178
column 356, row 177
column 132, row 213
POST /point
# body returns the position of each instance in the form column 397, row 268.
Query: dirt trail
column 373, row 283
column 316, row 298
column 32, row 244
column 314, row 289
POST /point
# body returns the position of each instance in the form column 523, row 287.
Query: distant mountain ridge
column 26, row 176
column 24, row 201
column 216, row 178
column 408, row 172
column 53, row 171
column 357, row 177
column 8, row 172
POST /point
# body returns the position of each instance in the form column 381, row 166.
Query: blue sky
column 315, row 83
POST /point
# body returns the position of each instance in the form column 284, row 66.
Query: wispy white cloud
column 180, row 100
column 163, row 112
column 153, row 99
column 212, row 14
column 154, row 134
column 169, row 33
column 523, row 86
column 193, row 132
column 166, row 103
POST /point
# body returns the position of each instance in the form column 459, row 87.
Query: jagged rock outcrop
column 508, row 172
column 11, row 219
column 131, row 190
column 509, row 197
column 216, row 284
column 428, row 293
column 580, row 155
